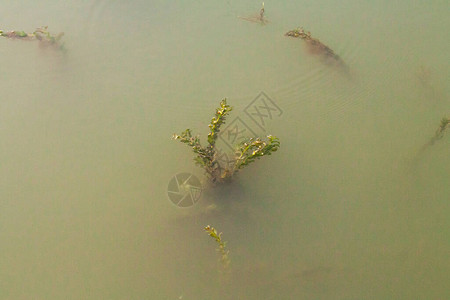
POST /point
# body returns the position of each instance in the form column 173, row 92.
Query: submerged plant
column 41, row 34
column 316, row 47
column 261, row 18
column 207, row 156
column 45, row 37
column 16, row 34
column 224, row 259
column 439, row 134
column 247, row 152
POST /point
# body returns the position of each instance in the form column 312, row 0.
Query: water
column 346, row 209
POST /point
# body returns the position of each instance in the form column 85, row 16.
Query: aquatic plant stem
column 224, row 259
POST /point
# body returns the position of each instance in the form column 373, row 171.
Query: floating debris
column 41, row 34
column 316, row 47
column 261, row 19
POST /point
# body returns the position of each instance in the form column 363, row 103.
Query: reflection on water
column 344, row 210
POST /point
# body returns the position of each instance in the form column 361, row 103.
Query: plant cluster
column 207, row 156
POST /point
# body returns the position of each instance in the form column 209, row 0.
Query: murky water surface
column 350, row 207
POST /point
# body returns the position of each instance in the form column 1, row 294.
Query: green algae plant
column 224, row 259
column 41, row 34
column 245, row 153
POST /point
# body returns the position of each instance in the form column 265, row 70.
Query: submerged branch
column 41, row 34
column 439, row 134
column 315, row 46
column 261, row 19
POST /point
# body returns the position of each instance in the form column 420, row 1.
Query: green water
column 347, row 209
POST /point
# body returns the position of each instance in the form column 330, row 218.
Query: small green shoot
column 252, row 149
column 224, row 259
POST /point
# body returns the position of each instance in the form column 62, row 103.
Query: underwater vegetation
column 261, row 19
column 224, row 259
column 316, row 47
column 313, row 45
column 245, row 152
column 41, row 34
column 438, row 135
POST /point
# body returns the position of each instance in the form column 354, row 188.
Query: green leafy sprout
column 224, row 259
column 207, row 156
